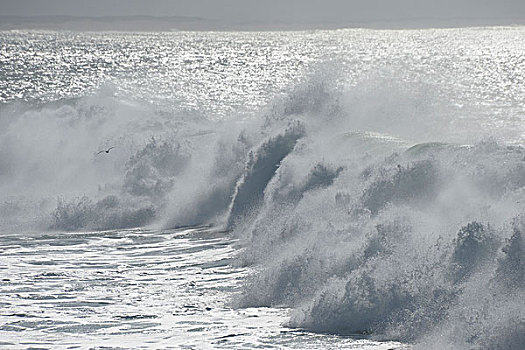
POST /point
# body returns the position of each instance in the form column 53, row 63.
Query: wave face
column 260, row 169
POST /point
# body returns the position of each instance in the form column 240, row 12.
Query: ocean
column 323, row 189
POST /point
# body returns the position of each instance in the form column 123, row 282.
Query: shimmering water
column 219, row 73
column 339, row 189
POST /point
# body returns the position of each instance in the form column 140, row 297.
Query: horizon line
column 191, row 23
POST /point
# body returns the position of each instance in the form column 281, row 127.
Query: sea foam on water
column 372, row 205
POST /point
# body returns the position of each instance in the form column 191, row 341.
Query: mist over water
column 378, row 190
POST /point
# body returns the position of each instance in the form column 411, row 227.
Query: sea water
column 358, row 189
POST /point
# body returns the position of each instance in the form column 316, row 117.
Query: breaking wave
column 358, row 211
column 360, row 231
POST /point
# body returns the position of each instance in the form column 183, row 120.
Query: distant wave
column 358, row 221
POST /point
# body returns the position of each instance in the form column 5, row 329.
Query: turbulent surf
column 373, row 196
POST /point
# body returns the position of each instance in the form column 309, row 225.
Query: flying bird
column 106, row 150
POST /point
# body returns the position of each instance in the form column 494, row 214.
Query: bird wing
column 101, row 152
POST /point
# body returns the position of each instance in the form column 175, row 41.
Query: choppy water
column 358, row 187
column 217, row 74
